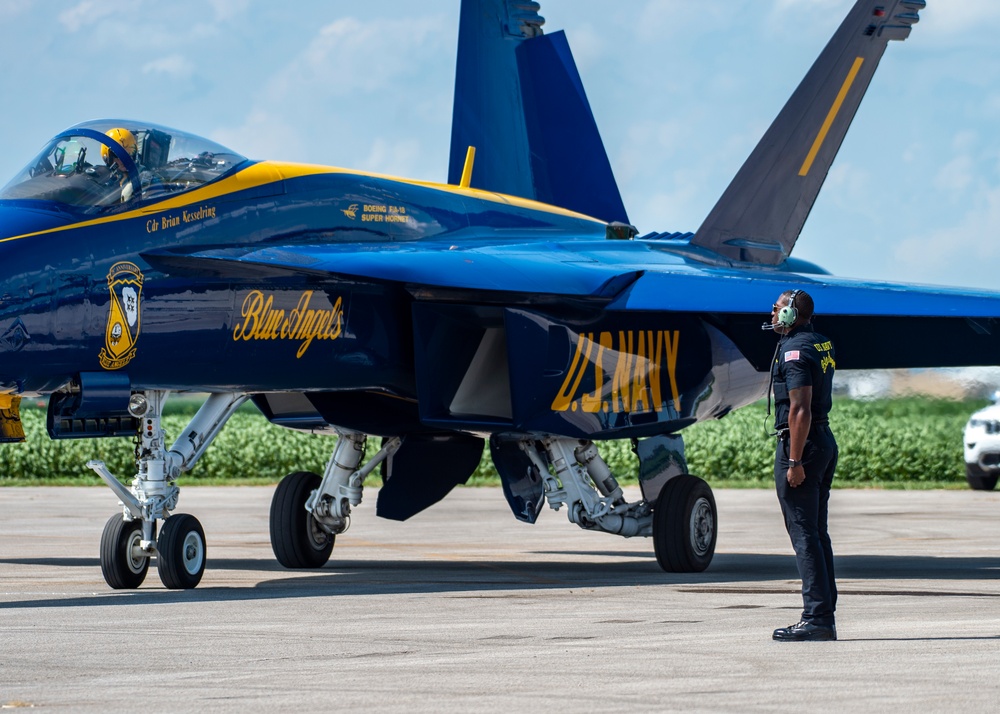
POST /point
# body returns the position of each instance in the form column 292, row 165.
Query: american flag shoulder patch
column 791, row 356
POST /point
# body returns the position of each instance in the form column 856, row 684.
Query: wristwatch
column 792, row 463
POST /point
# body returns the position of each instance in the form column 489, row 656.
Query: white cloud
column 85, row 14
column 956, row 176
column 175, row 66
column 849, row 184
column 589, row 46
column 969, row 249
column 349, row 56
column 662, row 21
column 804, row 16
column 357, row 89
column 401, row 158
column 264, row 135
column 10, row 9
column 959, row 21
column 228, row 9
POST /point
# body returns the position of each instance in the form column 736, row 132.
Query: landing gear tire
column 181, row 552
column 123, row 565
column 980, row 480
column 685, row 525
column 297, row 539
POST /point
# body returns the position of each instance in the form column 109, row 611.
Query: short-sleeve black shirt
column 804, row 358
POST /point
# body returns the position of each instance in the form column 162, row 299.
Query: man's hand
column 795, row 476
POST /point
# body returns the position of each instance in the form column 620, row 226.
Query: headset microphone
column 786, row 315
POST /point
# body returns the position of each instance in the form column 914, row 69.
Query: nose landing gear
column 129, row 540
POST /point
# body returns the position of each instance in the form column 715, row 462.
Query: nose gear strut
column 130, row 537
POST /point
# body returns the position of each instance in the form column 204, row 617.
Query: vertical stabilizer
column 759, row 217
column 520, row 101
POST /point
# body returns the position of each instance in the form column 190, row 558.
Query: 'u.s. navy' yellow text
column 826, row 360
column 627, row 369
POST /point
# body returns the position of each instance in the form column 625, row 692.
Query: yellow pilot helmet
column 123, row 137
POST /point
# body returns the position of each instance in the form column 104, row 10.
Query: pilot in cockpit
column 126, row 140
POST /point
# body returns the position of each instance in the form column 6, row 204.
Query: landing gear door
column 616, row 375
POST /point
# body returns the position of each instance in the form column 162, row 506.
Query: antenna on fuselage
column 470, row 159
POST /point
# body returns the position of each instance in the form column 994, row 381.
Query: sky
column 681, row 89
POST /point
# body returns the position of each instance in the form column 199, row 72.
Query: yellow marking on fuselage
column 627, row 374
column 263, row 321
column 564, row 399
column 470, row 159
column 268, row 172
column 831, row 115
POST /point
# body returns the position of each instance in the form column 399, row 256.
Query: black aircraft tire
column 296, row 538
column 978, row 479
column 685, row 525
column 181, row 552
column 121, row 570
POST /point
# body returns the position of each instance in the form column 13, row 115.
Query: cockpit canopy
column 99, row 165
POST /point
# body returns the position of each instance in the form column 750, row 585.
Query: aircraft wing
column 874, row 324
column 527, row 269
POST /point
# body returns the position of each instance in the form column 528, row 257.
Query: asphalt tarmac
column 465, row 609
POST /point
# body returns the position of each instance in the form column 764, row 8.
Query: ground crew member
column 805, row 458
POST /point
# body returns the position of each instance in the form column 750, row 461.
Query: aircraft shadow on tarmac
column 733, row 573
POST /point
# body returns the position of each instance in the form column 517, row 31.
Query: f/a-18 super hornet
column 514, row 305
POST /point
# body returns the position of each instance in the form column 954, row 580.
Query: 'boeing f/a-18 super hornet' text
column 514, row 305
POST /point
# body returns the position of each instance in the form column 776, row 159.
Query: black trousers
column 805, row 509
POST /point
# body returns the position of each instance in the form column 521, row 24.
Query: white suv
column 982, row 447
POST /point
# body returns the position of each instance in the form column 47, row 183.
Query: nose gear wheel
column 123, row 563
column 181, row 552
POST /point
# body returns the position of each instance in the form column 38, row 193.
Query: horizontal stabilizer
column 760, row 215
column 520, row 101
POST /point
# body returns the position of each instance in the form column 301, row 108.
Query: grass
column 913, row 443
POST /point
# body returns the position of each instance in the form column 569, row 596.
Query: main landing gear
column 682, row 520
column 308, row 512
column 130, row 540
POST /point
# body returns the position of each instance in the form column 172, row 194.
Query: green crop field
column 900, row 443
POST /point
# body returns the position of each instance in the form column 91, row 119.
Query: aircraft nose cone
column 17, row 220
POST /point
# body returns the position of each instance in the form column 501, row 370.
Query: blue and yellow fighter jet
column 514, row 305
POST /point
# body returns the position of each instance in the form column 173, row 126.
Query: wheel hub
column 702, row 526
column 318, row 536
column 193, row 553
column 136, row 560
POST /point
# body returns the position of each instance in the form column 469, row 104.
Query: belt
column 782, row 431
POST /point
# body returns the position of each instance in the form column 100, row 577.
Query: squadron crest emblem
column 125, row 284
